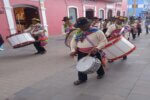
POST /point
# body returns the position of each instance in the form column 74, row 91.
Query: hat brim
column 66, row 19
column 76, row 25
column 36, row 20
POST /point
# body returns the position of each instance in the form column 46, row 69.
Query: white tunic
column 98, row 39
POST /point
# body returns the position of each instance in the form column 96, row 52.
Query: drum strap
column 90, row 41
column 100, row 51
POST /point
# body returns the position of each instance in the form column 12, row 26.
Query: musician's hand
column 94, row 51
column 72, row 54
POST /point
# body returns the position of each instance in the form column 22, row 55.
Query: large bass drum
column 118, row 47
column 20, row 40
column 88, row 65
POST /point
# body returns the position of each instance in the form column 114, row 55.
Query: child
column 1, row 43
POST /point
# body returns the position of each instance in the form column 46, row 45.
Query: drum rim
column 82, row 59
column 93, row 64
column 116, row 58
column 16, row 34
column 113, row 42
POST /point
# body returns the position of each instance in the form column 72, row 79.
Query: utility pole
column 134, row 7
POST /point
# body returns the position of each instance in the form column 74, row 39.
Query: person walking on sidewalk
column 1, row 43
column 133, row 26
column 139, row 27
column 37, row 31
column 82, row 47
column 147, row 24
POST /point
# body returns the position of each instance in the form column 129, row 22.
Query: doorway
column 118, row 13
column 110, row 14
column 101, row 14
column 73, row 14
column 23, row 16
column 89, row 13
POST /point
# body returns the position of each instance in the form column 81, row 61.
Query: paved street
column 25, row 76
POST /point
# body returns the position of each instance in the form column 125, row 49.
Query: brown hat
column 35, row 19
column 82, row 21
column 65, row 19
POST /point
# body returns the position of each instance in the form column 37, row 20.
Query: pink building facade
column 16, row 15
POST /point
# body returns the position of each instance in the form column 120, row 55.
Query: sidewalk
column 24, row 76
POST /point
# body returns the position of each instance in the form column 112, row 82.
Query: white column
column 9, row 15
column 43, row 10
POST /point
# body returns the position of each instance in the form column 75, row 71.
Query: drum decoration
column 115, row 33
column 20, row 40
column 88, row 65
column 118, row 47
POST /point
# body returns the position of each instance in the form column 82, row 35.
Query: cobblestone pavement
column 25, row 76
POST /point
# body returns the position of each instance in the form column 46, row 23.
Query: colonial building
column 16, row 15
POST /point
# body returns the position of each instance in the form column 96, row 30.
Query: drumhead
column 85, row 63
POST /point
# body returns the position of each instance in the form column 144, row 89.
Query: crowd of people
column 90, row 36
column 107, row 25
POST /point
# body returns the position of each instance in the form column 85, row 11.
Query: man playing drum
column 114, row 30
column 37, row 31
column 89, row 41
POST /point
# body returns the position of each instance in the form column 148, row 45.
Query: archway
column 23, row 16
column 89, row 13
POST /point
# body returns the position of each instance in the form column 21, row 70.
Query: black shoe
column 78, row 82
column 125, row 58
column 42, row 52
column 100, row 76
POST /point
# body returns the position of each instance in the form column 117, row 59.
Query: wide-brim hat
column 35, row 19
column 82, row 21
column 65, row 19
column 121, row 18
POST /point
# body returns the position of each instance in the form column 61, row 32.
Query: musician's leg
column 132, row 32
column 82, row 76
column 36, row 45
column 39, row 48
column 139, row 32
column 42, row 49
column 147, row 29
column 100, row 71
